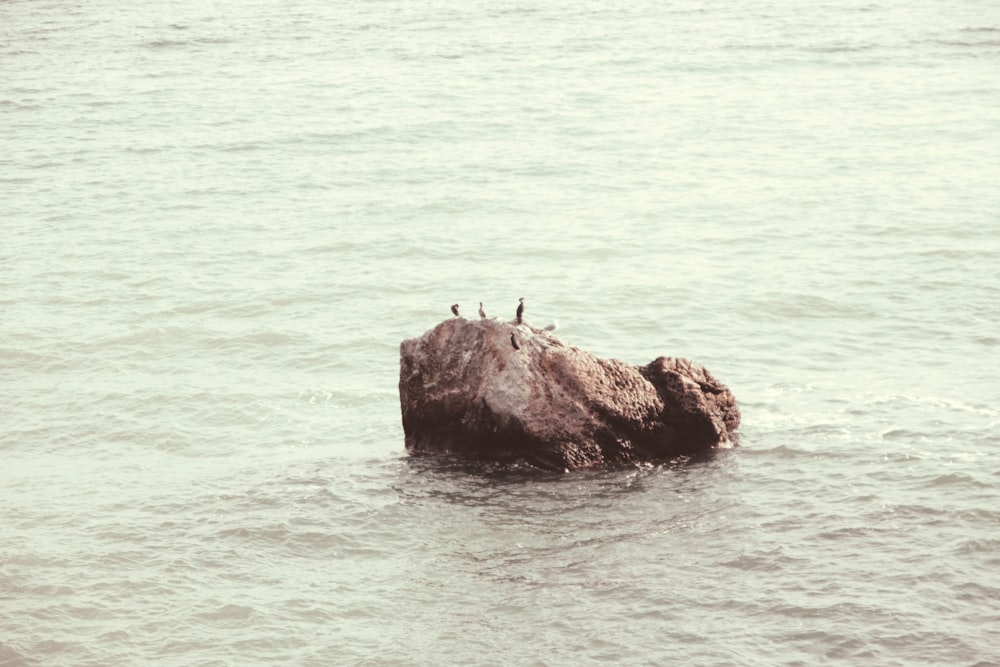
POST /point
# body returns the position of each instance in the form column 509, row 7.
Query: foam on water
column 219, row 223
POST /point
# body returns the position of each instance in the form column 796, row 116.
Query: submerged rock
column 466, row 391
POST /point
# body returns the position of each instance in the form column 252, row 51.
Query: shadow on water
column 519, row 472
column 465, row 481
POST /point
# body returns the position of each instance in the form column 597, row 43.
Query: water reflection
column 464, row 482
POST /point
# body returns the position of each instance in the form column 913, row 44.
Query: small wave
column 143, row 150
column 933, row 402
column 21, row 359
column 837, row 48
column 770, row 561
column 978, row 546
column 850, row 532
column 956, row 479
column 979, row 514
column 753, row 564
column 954, row 253
column 521, row 10
column 978, row 593
column 804, row 306
column 10, row 656
column 229, row 612
column 338, row 247
column 967, row 43
column 902, row 435
column 917, row 512
column 241, row 147
column 783, row 452
column 342, row 397
column 271, row 534
column 236, row 147
column 770, row 46
column 164, row 44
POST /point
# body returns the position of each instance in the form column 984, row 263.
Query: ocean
column 219, row 221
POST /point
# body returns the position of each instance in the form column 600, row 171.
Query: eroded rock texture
column 465, row 391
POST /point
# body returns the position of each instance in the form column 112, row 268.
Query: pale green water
column 219, row 221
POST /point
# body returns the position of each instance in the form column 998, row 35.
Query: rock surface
column 465, row 391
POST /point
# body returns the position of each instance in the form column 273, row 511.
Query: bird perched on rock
column 553, row 326
column 454, row 309
column 513, row 341
column 520, row 309
column 482, row 313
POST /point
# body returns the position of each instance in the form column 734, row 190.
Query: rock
column 465, row 391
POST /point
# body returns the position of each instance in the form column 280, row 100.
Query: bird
column 513, row 341
column 454, row 309
column 553, row 326
column 520, row 309
column 482, row 313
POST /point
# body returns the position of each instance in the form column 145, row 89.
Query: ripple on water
column 218, row 229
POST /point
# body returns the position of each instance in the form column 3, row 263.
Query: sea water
column 219, row 220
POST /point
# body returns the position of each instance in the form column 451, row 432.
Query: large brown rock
column 465, row 391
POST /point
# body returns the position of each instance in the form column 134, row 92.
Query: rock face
column 465, row 391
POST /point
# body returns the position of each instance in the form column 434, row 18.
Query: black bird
column 513, row 341
column 520, row 309
column 482, row 313
column 454, row 310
